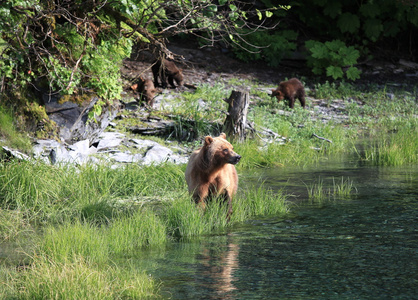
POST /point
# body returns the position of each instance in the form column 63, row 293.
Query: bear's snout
column 235, row 159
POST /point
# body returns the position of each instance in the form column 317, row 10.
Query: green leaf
column 335, row 72
column 332, row 9
column 259, row 14
column 353, row 73
column 269, row 14
column 348, row 23
column 373, row 28
column 370, row 10
column 412, row 15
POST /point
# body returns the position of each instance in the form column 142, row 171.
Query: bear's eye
column 225, row 151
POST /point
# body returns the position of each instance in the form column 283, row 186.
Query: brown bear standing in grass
column 167, row 70
column 291, row 90
column 146, row 90
column 211, row 171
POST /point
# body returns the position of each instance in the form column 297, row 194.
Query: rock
column 123, row 157
column 81, row 146
column 108, row 140
column 15, row 154
column 408, row 64
column 144, row 143
column 72, row 119
column 157, row 154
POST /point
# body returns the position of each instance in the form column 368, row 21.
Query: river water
column 361, row 247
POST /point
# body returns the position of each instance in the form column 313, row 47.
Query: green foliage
column 348, row 22
column 332, row 57
column 9, row 135
column 267, row 46
column 397, row 149
column 317, row 191
column 103, row 66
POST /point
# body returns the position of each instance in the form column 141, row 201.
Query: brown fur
column 167, row 71
column 211, row 171
column 146, row 90
column 291, row 90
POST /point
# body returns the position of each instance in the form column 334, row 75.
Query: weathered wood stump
column 236, row 120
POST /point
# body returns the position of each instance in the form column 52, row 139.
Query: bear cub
column 167, row 70
column 146, row 90
column 291, row 90
column 211, row 172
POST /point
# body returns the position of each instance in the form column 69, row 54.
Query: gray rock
column 108, row 140
column 15, row 154
column 123, row 157
column 157, row 154
column 144, row 143
column 81, row 146
column 72, row 119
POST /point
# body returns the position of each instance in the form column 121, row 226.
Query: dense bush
column 75, row 47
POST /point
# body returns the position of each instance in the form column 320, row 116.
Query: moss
column 37, row 121
column 77, row 99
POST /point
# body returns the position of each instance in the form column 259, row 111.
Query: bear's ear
column 208, row 140
column 223, row 135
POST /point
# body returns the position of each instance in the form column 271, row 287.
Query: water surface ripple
column 364, row 247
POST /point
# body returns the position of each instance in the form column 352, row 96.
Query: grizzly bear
column 167, row 70
column 290, row 90
column 211, row 172
column 146, row 90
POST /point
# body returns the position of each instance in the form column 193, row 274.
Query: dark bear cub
column 167, row 70
column 291, row 90
column 146, row 90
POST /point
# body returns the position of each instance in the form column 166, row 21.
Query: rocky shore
column 100, row 142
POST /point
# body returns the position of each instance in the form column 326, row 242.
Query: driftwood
column 321, row 138
column 236, row 120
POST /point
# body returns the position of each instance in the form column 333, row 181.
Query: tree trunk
column 236, row 120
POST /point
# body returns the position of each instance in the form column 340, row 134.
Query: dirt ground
column 208, row 65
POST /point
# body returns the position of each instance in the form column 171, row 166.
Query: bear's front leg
column 291, row 102
column 200, row 196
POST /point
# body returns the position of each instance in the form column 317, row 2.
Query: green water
column 363, row 247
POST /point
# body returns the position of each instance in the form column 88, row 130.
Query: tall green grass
column 46, row 193
column 90, row 217
column 9, row 135
column 317, row 192
column 395, row 149
column 185, row 220
column 77, row 279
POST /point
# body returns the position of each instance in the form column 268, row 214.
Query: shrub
column 333, row 58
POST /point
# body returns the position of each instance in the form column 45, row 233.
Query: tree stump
column 236, row 120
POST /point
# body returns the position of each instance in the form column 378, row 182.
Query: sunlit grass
column 77, row 279
column 9, row 135
column 395, row 149
column 343, row 189
column 119, row 213
column 317, row 192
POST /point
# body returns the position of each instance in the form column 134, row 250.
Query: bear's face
column 178, row 77
column 150, row 90
column 220, row 151
column 278, row 94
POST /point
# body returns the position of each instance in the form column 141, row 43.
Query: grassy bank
column 90, row 217
column 73, row 224
column 338, row 117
